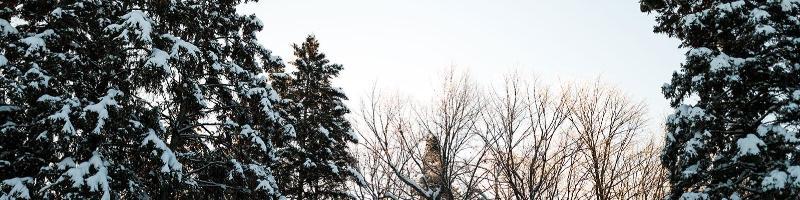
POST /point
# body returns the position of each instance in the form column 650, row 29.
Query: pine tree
column 739, row 140
column 432, row 163
column 320, row 165
column 136, row 100
column 433, row 169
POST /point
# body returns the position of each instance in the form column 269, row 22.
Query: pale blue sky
column 405, row 44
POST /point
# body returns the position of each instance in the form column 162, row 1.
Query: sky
column 404, row 46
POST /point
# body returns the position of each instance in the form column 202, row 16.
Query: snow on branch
column 693, row 196
column 749, row 145
column 413, row 184
column 18, row 188
column 41, row 80
column 776, row 179
column 198, row 95
column 266, row 181
column 254, row 137
column 359, row 178
column 167, row 156
column 181, row 44
column 63, row 115
column 101, row 108
column 6, row 28
column 76, row 173
column 137, row 21
column 158, row 59
column 3, row 59
column 265, row 95
column 36, row 43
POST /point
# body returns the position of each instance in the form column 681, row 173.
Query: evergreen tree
column 136, row 100
column 320, row 164
column 433, row 167
column 432, row 163
column 739, row 140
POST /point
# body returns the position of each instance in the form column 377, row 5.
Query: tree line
column 157, row 99
column 521, row 140
column 163, row 100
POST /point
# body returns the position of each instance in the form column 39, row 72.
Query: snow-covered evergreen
column 433, row 169
column 136, row 100
column 320, row 164
column 739, row 139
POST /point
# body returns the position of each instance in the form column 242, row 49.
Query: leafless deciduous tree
column 519, row 141
column 433, row 151
column 525, row 129
column 382, row 159
column 647, row 179
column 606, row 124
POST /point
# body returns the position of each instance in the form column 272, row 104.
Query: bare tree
column 381, row 161
column 521, row 141
column 526, row 129
column 434, row 152
column 578, row 144
column 606, row 123
column 648, row 178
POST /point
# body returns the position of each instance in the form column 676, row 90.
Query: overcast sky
column 404, row 45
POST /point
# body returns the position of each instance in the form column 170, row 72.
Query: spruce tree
column 734, row 131
column 136, row 100
column 320, row 165
column 433, row 169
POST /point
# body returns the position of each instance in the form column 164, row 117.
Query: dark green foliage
column 320, row 164
column 739, row 140
column 136, row 100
